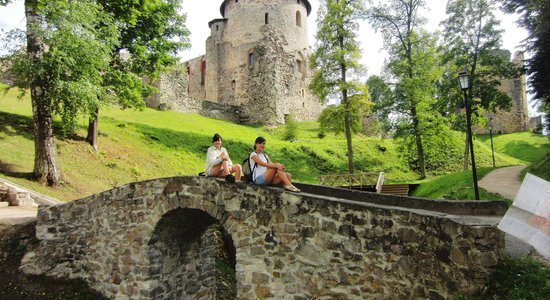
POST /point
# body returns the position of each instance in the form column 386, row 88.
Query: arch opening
column 189, row 253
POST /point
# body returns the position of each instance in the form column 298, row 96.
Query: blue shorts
column 260, row 180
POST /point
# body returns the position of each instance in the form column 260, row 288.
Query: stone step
column 4, row 204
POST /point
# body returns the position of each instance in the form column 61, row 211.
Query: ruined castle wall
column 517, row 118
column 142, row 241
column 255, row 65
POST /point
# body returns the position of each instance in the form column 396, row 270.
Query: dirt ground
column 14, row 240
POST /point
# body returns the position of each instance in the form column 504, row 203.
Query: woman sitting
column 218, row 163
column 268, row 173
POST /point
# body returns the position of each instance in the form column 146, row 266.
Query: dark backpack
column 247, row 172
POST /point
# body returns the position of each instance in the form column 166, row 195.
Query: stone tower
column 257, row 60
column 517, row 118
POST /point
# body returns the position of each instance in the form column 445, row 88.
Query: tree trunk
column 347, row 117
column 348, row 132
column 92, row 129
column 418, row 140
column 45, row 160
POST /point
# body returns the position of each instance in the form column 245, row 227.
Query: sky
column 200, row 12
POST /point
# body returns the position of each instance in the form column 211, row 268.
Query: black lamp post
column 464, row 79
column 491, row 135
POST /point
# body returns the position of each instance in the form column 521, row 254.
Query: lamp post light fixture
column 464, row 79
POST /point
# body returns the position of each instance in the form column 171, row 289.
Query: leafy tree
column 413, row 64
column 336, row 59
column 66, row 51
column 472, row 42
column 332, row 118
column 535, row 17
column 151, row 34
column 382, row 97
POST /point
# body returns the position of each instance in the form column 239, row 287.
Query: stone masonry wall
column 137, row 242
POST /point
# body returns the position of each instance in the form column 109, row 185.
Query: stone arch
column 185, row 251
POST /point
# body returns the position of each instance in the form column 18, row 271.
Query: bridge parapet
column 148, row 240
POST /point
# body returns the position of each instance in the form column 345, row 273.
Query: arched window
column 203, row 72
column 299, row 66
column 266, row 17
column 298, row 19
column 251, row 58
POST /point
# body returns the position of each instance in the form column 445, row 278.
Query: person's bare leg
column 237, row 170
column 281, row 178
column 216, row 170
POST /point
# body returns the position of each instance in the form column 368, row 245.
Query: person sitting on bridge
column 267, row 172
column 218, row 163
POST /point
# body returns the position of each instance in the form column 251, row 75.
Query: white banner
column 529, row 216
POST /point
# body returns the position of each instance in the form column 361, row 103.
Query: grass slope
column 139, row 145
column 533, row 149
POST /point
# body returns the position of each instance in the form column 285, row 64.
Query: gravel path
column 503, row 181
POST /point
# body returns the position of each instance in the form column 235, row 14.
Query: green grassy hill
column 139, row 145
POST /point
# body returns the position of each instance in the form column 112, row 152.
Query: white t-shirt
column 213, row 158
column 259, row 170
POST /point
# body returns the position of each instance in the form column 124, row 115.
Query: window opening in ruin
column 303, row 93
column 303, row 104
column 203, row 72
column 217, row 27
column 298, row 19
column 188, row 68
column 266, row 18
column 299, row 66
column 251, row 58
column 233, row 85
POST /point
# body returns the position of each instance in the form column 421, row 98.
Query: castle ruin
column 255, row 69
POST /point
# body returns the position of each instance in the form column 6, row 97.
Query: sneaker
column 230, row 178
column 292, row 188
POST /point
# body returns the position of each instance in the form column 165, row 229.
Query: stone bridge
column 202, row 238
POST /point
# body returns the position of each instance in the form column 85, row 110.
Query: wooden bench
column 354, row 181
column 395, row 189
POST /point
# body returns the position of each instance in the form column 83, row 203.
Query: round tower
column 256, row 58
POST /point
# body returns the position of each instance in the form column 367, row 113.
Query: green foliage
column 291, row 128
column 79, row 45
column 382, row 97
column 336, row 49
column 140, row 145
column 413, row 64
column 437, row 162
column 472, row 42
column 332, row 117
column 535, row 17
column 519, row 278
column 529, row 148
column 336, row 61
